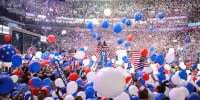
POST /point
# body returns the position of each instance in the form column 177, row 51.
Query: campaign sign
column 103, row 58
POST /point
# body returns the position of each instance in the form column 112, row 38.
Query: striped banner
column 31, row 50
column 69, row 56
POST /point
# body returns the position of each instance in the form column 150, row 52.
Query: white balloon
column 170, row 57
column 176, row 94
column 182, row 65
column 14, row 78
column 85, row 48
column 69, row 97
column 38, row 54
column 79, row 55
column 90, row 76
column 94, row 58
column 181, row 83
column 198, row 66
column 59, row 83
column 54, row 93
column 82, row 94
column 122, row 96
column 48, row 98
column 147, row 69
column 185, row 91
column 34, row 98
column 86, row 62
column 133, row 90
column 167, row 67
column 107, row 12
column 176, row 79
column 107, row 80
column 171, row 50
column 72, row 87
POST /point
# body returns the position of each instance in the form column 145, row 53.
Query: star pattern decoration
column 2, row 56
column 8, row 47
column 13, row 52
column 7, row 53
column 4, row 49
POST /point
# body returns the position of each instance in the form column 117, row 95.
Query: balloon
column 127, row 43
column 68, row 68
column 170, row 57
column 117, row 28
column 161, row 15
column 176, row 94
column 151, row 28
column 125, row 59
column 144, row 52
column 123, row 19
column 122, row 96
column 37, row 82
column 160, row 59
column 147, row 69
column 69, row 97
column 14, row 93
column 193, row 96
column 79, row 81
column 89, row 92
column 142, row 81
column 6, row 84
column 48, row 98
column 35, row 91
column 82, row 49
column 153, row 57
column 107, row 12
column 94, row 58
column 90, row 25
column 152, row 49
column 135, row 98
column 49, row 88
column 46, row 90
column 98, row 37
column 73, row 76
column 86, row 62
column 105, row 24
column 16, row 72
column 6, row 52
column 94, row 35
column 14, row 78
column 51, row 38
column 101, row 81
column 187, row 39
column 190, row 87
column 77, row 28
column 109, row 64
column 130, row 38
column 182, row 74
column 30, row 83
column 145, row 76
column 194, row 66
column 79, row 55
column 128, row 78
column 7, row 38
column 17, row 52
column 90, row 76
column 159, row 96
column 72, row 87
column 54, row 94
column 188, row 64
column 161, row 69
column 35, row 67
column 87, row 70
column 59, row 83
column 46, row 81
column 82, row 94
column 133, row 90
column 120, row 40
column 138, row 16
column 16, row 60
column 128, row 22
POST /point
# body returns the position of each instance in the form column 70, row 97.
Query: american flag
column 31, row 50
column 135, row 59
column 68, row 56
column 99, row 49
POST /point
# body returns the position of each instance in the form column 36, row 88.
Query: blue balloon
column 127, row 43
column 161, row 69
column 125, row 59
column 151, row 28
column 187, row 39
column 198, row 83
column 194, row 66
column 86, row 85
column 105, row 24
column 63, row 54
column 49, row 88
column 52, row 52
column 161, row 15
column 6, row 52
column 135, row 98
column 63, row 90
column 109, row 64
column 98, row 37
column 16, row 60
column 13, row 67
column 152, row 49
column 47, row 53
column 80, row 62
column 142, row 81
column 159, row 96
column 47, row 81
column 138, row 16
column 90, row 25
column 27, row 96
column 182, row 74
column 160, row 59
column 14, row 93
column 123, row 19
column 56, row 53
column 161, row 76
column 120, row 40
column 117, row 28
column 6, row 84
column 99, row 62
column 55, row 72
column 128, row 22
column 190, row 87
column 89, row 92
column 153, row 57
column 94, row 35
column 23, row 85
column 35, row 67
column 37, row 82
column 177, row 61
column 82, row 49
column 193, row 96
column 27, row 57
column 187, row 47
column 136, row 74
column 79, row 81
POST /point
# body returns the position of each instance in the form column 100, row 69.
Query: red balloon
column 188, row 64
column 77, row 28
column 73, row 76
column 68, row 68
column 54, row 67
column 77, row 64
column 46, row 90
column 144, row 52
column 84, row 82
column 7, row 38
column 17, row 51
column 196, row 71
column 35, row 91
column 166, row 71
column 87, row 70
column 51, row 38
column 85, row 58
column 49, row 57
column 104, row 98
column 43, row 64
column 194, row 79
column 145, row 76
column 128, row 78
column 130, row 38
column 95, row 46
column 30, row 83
column 16, row 72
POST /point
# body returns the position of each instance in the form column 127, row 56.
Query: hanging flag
column 31, row 50
column 69, row 56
